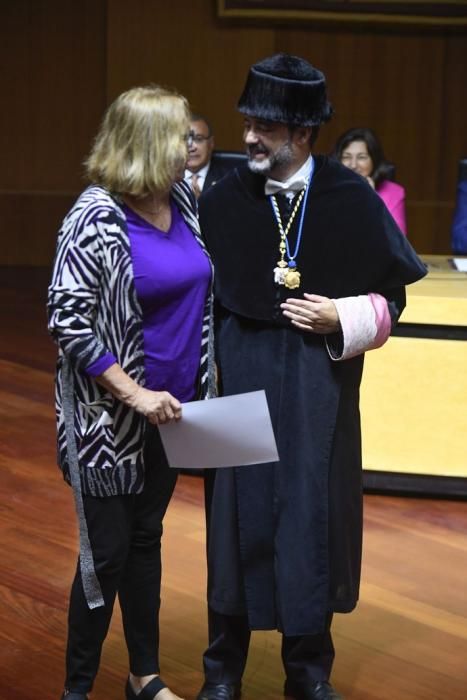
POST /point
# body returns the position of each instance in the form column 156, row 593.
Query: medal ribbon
column 284, row 233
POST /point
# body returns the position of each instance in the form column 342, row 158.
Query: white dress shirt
column 293, row 184
column 201, row 176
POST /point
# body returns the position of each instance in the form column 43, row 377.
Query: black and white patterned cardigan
column 93, row 309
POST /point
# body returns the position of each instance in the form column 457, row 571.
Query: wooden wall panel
column 64, row 61
column 29, row 222
column 452, row 131
column 55, row 80
column 453, row 119
column 52, row 54
column 192, row 52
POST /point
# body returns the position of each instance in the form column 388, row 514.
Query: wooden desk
column 414, row 390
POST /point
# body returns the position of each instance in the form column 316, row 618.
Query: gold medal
column 292, row 278
column 286, row 273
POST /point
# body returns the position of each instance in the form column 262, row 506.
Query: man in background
column 202, row 169
column 459, row 224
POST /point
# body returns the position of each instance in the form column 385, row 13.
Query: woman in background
column 130, row 306
column 360, row 150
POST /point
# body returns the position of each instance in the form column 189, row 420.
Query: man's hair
column 201, row 118
column 141, row 143
column 314, row 133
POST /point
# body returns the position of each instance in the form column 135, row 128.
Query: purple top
column 171, row 274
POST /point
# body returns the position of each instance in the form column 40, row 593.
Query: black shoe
column 220, row 691
column 319, row 691
column 70, row 695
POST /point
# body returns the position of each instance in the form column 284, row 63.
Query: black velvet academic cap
column 286, row 89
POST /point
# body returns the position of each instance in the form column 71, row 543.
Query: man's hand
column 314, row 313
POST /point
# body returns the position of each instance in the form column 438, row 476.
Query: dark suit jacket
column 459, row 224
column 217, row 170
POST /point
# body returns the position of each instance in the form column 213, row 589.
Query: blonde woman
column 130, row 307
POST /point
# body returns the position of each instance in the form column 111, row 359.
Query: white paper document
column 460, row 264
column 229, row 431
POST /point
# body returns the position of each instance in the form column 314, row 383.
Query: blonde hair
column 141, row 145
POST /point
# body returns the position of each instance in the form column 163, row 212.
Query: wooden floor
column 407, row 640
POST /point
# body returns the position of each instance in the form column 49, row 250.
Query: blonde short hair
column 141, row 145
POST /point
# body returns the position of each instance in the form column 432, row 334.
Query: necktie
column 195, row 185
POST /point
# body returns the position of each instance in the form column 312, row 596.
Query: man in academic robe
column 310, row 273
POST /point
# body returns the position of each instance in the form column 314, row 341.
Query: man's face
column 269, row 146
column 201, row 146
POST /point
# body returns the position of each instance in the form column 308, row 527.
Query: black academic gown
column 284, row 539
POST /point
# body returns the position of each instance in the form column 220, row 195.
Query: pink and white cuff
column 365, row 324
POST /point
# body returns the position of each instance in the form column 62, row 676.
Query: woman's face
column 356, row 157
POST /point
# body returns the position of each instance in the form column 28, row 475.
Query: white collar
column 294, row 183
column 201, row 173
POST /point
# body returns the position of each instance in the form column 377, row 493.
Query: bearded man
column 310, row 273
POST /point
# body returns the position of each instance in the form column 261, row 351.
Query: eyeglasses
column 196, row 138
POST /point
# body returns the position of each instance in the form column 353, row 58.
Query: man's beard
column 283, row 156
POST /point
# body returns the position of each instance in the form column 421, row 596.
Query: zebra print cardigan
column 93, row 309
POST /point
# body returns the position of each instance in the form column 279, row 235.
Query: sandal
column 149, row 691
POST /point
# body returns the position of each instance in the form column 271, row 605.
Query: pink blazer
column 393, row 195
